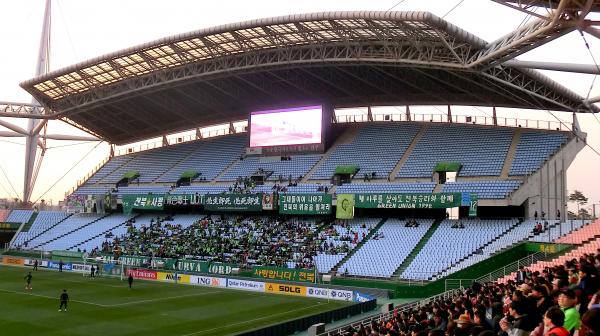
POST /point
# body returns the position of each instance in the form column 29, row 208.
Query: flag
column 345, row 206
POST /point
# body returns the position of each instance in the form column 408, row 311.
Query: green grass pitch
column 105, row 306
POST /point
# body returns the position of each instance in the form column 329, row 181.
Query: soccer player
column 35, row 265
column 130, row 280
column 92, row 271
column 28, row 279
column 64, row 298
column 60, row 265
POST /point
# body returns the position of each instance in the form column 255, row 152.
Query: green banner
column 136, row 261
column 305, row 204
column 67, row 254
column 9, row 226
column 344, row 208
column 278, row 273
column 408, row 201
column 164, row 263
column 145, row 202
column 449, row 166
column 233, row 202
column 349, row 169
column 473, row 205
column 181, row 200
column 193, row 266
column 218, row 268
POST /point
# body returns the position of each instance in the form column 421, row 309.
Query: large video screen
column 291, row 126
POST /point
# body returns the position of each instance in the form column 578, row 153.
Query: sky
column 87, row 29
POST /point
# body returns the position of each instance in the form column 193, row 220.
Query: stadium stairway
column 510, row 155
column 100, row 234
column 345, row 138
column 358, row 246
column 68, row 233
column 48, row 229
column 30, row 222
column 417, row 249
column 408, row 151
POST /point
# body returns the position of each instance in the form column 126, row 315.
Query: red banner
column 142, row 274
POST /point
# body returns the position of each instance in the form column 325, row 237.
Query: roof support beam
column 69, row 137
column 8, row 134
column 566, row 67
column 14, row 128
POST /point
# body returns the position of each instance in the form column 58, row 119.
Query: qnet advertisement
column 290, row 126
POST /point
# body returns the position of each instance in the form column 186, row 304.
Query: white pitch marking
column 256, row 319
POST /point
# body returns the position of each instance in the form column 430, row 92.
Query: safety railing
column 457, row 119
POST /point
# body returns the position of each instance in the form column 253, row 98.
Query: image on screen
column 293, row 126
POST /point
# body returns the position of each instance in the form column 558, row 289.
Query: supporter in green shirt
column 567, row 302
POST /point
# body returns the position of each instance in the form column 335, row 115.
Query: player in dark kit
column 35, row 265
column 130, row 280
column 64, row 298
column 28, row 279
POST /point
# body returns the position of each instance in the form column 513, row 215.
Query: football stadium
column 244, row 195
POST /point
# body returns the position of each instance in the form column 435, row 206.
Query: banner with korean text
column 408, row 201
column 233, row 202
column 143, row 202
column 289, row 274
column 305, row 204
column 184, row 199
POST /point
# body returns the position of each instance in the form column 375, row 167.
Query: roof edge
column 428, row 17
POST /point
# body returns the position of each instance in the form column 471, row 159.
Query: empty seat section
column 380, row 257
column 42, row 222
column 297, row 166
column 484, row 189
column 533, row 149
column 516, row 235
column 402, row 188
column 84, row 233
column 200, row 189
column 209, row 157
column 448, row 245
column 480, row 150
column 114, row 163
column 376, row 148
column 72, row 223
column 299, row 189
column 151, row 164
column 19, row 216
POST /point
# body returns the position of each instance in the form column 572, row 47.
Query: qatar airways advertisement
column 291, row 126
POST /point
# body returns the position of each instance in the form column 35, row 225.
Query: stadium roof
column 345, row 59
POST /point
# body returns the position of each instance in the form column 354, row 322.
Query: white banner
column 208, row 281
column 79, row 268
column 322, row 293
column 246, row 285
column 41, row 263
column 338, row 294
